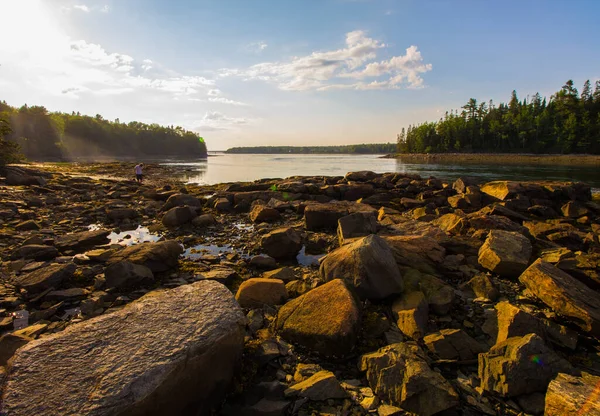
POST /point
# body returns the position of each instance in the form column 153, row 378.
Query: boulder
column 282, row 243
column 284, row 273
column 263, row 262
column 451, row 223
column 356, row 225
column 505, row 253
column 46, row 277
column 325, row 320
column 564, row 294
column 323, row 216
column 400, row 374
column 204, row 220
column 453, row 344
column 502, row 189
column 126, row 274
column 9, row 344
column 411, row 312
column 257, row 292
column 178, row 216
column 180, row 200
column 368, row 265
column 222, row 274
column 158, row 257
column 421, row 252
column 520, row 365
column 170, row 352
column 361, row 176
column 569, row 395
column 82, row 240
column 36, row 252
column 263, row 213
column 322, row 385
column 483, row 287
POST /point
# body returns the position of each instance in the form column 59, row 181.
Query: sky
column 290, row 72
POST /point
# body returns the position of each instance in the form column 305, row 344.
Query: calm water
column 233, row 168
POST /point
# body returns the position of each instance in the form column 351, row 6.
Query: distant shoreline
column 498, row 158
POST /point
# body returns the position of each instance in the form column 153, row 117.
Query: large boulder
column 520, row 365
column 125, row 274
column 400, row 374
column 282, row 243
column 569, row 395
column 564, row 294
column 421, row 252
column 46, row 277
column 158, row 257
column 257, row 292
column 177, row 216
column 179, row 200
column 170, row 352
column 325, row 320
column 356, row 225
column 505, row 253
column 368, row 265
column 323, row 216
column 263, row 213
column 82, row 240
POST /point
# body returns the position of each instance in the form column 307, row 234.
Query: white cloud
column 214, row 120
column 223, row 100
column 82, row 7
column 147, row 64
column 334, row 69
column 105, row 8
column 256, row 47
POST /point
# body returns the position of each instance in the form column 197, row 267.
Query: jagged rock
column 71, row 294
column 459, row 201
column 564, row 294
column 573, row 209
column 400, row 374
column 285, row 273
column 118, row 214
column 179, row 200
column 257, row 292
column 9, row 343
column 502, row 189
column 29, row 225
column 82, row 241
column 411, row 312
column 282, row 243
column 166, row 353
column 494, row 222
column 323, row 216
column 356, row 225
column 439, row 295
column 368, row 265
column 158, row 257
column 420, row 252
column 325, row 320
column 263, row 213
column 505, row 253
column 519, row 365
column 388, row 410
column 569, row 395
column 304, row 371
column 451, row 223
column 126, row 274
column 453, row 344
column 483, row 287
column 177, row 216
column 321, row 386
column 46, row 277
column 35, row 252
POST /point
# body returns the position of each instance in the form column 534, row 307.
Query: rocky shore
column 380, row 294
column 518, row 159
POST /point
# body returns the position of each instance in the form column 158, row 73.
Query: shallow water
column 128, row 238
column 237, row 168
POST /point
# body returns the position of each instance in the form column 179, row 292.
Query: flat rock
column 368, row 265
column 126, row 274
column 453, row 344
column 158, row 257
column 564, row 294
column 221, row 274
column 569, row 395
column 82, row 241
column 284, row 273
column 320, row 386
column 325, row 320
column 46, row 277
column 422, row 252
column 323, row 216
column 505, row 253
column 36, row 252
column 167, row 353
column 257, row 292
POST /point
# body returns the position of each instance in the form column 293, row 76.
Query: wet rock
column 520, row 365
column 36, row 252
column 453, row 344
column 195, row 336
column 178, row 216
column 257, row 292
column 82, row 241
column 285, row 273
column 282, row 243
column 118, row 214
column 368, row 265
column 505, row 253
column 411, row 312
column 46, row 277
column 570, row 395
column 263, row 213
column 323, row 216
column 180, row 200
column 9, row 344
column 126, row 274
column 321, row 386
column 29, row 225
column 356, row 225
column 204, row 220
column 325, row 320
column 483, row 287
column 263, row 262
column 564, row 294
column 158, row 257
column 400, row 374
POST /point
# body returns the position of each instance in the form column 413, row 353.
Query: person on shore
column 138, row 172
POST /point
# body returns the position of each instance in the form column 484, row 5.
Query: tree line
column 43, row 135
column 370, row 148
column 568, row 122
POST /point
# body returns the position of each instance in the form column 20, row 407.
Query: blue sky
column 289, row 72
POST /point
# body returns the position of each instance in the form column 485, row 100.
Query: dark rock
column 263, row 213
column 29, row 225
column 483, row 287
column 283, row 243
column 36, row 252
column 263, row 262
column 158, row 257
column 411, row 312
column 9, row 344
column 453, row 344
column 46, row 277
column 178, row 216
column 205, row 220
column 356, row 225
column 82, row 241
column 323, row 216
column 180, row 200
column 321, row 386
column 125, row 274
column 119, row 214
